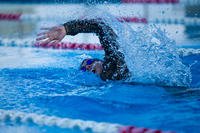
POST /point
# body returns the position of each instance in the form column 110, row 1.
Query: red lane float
column 151, row 1
column 62, row 45
column 10, row 16
column 132, row 19
column 17, row 16
column 132, row 129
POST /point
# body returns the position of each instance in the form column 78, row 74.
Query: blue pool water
column 48, row 82
column 41, row 88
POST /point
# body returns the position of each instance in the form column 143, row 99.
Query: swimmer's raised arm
column 106, row 35
column 56, row 34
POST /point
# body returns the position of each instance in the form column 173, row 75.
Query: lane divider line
column 14, row 117
column 177, row 21
column 19, row 16
column 132, row 20
column 78, row 46
column 62, row 45
column 10, row 16
column 151, row 1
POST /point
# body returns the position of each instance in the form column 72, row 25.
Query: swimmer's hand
column 51, row 35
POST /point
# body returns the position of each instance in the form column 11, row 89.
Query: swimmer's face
column 92, row 65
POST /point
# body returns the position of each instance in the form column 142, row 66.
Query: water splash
column 151, row 56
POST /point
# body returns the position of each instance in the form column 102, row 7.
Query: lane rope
column 77, row 46
column 177, row 21
column 133, row 20
column 19, row 16
column 151, row 1
column 62, row 45
column 14, row 117
column 10, row 16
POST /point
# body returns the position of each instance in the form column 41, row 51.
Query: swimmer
column 113, row 67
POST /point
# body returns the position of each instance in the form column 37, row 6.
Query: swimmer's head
column 92, row 65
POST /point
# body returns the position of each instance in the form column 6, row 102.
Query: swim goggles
column 88, row 62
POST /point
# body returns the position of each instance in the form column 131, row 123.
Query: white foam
column 151, row 56
column 44, row 120
column 188, row 51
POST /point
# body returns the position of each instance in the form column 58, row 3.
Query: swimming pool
column 42, row 90
column 47, row 82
